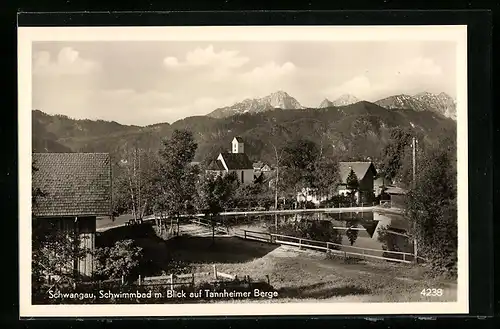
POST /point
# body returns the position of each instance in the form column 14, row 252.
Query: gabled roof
column 395, row 190
column 238, row 139
column 258, row 165
column 237, row 161
column 73, row 184
column 216, row 165
column 360, row 169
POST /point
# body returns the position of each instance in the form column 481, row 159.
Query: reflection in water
column 365, row 230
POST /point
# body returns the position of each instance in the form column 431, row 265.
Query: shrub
column 123, row 259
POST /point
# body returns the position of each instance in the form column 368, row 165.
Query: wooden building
column 365, row 172
column 75, row 189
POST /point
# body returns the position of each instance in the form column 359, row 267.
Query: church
column 235, row 161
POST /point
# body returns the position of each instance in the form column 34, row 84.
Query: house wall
column 85, row 228
column 311, row 195
column 366, row 184
column 247, row 175
column 237, row 147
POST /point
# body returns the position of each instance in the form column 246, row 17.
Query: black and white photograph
column 243, row 170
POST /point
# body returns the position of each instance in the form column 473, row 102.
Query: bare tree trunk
column 143, row 209
column 133, row 198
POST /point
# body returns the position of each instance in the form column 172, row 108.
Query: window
column 242, row 177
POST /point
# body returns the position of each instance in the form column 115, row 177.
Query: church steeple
column 238, row 146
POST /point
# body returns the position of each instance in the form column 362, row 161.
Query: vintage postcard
column 193, row 171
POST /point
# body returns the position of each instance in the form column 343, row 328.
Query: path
column 106, row 224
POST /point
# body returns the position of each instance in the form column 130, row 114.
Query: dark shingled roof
column 258, row 165
column 360, row 169
column 237, row 161
column 74, row 184
column 238, row 139
column 216, row 165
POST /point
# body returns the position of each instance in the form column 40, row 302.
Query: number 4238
column 432, row 292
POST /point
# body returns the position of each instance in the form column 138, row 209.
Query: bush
column 336, row 201
column 123, row 259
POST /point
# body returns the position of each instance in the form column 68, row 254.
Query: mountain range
column 354, row 131
column 277, row 100
column 440, row 103
column 425, row 101
column 343, row 100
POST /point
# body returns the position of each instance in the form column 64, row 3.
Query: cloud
column 359, row 86
column 133, row 99
column 420, row 66
column 208, row 57
column 407, row 77
column 68, row 62
column 270, row 71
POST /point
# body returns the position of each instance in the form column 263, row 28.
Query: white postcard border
column 27, row 35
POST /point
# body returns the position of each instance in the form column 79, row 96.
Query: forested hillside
column 354, row 131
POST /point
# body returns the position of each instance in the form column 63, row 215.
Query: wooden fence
column 331, row 247
column 187, row 279
column 219, row 227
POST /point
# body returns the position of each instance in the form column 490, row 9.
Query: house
column 265, row 168
column 379, row 183
column 365, row 172
column 260, row 166
column 257, row 166
column 76, row 188
column 235, row 161
column 396, row 196
column 312, row 195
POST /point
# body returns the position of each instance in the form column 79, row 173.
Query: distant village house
column 260, row 166
column 235, row 161
column 76, row 190
column 365, row 172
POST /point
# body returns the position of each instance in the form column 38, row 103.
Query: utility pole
column 276, row 185
column 414, row 184
column 414, row 147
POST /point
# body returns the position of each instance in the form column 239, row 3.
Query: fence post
column 245, row 232
column 193, row 279
column 171, row 281
column 139, row 280
column 327, row 247
column 123, row 280
column 300, row 243
column 215, row 272
column 268, row 281
column 345, row 255
column 404, row 257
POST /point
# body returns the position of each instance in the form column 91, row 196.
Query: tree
column 133, row 182
column 300, row 158
column 327, row 175
column 213, row 195
column 352, row 183
column 431, row 207
column 394, row 152
column 175, row 179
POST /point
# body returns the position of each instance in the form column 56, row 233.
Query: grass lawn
column 301, row 276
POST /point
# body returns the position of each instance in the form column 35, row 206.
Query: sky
column 145, row 82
